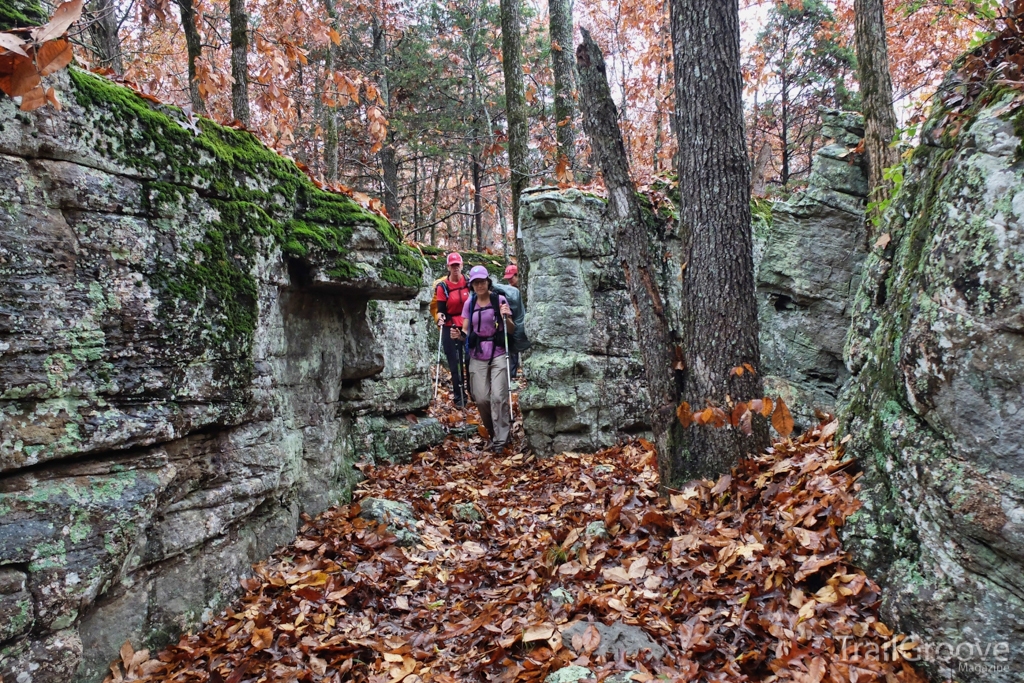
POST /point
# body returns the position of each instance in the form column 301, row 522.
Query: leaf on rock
column 781, row 419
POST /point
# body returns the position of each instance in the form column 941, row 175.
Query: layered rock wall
column 189, row 360
column 586, row 389
column 936, row 401
column 811, row 257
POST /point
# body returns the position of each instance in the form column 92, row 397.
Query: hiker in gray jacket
column 519, row 341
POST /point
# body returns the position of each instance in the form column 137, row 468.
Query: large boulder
column 936, row 400
column 812, row 256
column 586, row 389
column 186, row 347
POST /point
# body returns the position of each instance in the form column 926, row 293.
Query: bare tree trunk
column 239, row 61
column 388, row 157
column 564, row 69
column 330, row 112
column 415, row 195
column 515, row 112
column 194, row 48
column 478, row 202
column 103, row 32
column 876, row 95
column 433, row 207
column 760, row 176
column 600, row 121
column 719, row 313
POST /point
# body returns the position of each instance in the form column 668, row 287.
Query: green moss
column 345, row 270
column 761, row 210
column 209, row 281
column 20, row 13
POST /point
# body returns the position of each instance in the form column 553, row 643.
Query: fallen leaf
column 262, row 638
column 538, row 632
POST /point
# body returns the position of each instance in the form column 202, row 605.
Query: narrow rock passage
column 489, row 562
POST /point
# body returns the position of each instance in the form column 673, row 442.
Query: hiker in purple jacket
column 487, row 322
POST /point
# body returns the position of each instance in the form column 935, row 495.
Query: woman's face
column 480, row 287
column 454, row 269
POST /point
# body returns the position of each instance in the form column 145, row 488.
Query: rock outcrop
column 187, row 364
column 809, row 267
column 936, row 401
column 586, row 388
column 586, row 380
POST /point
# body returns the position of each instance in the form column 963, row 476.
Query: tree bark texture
column 239, row 60
column 103, row 32
column 515, row 113
column 194, row 48
column 719, row 312
column 876, row 94
column 389, row 168
column 388, row 156
column 600, row 121
column 564, row 70
column 759, row 178
column 478, row 202
column 330, row 113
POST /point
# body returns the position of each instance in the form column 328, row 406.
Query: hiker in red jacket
column 452, row 294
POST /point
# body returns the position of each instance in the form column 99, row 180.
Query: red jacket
column 451, row 297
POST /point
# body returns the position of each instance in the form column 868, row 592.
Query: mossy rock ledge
column 936, row 399
column 192, row 354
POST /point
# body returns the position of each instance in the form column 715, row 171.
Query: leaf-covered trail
column 740, row 579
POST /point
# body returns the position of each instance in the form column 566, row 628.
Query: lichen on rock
column 188, row 362
column 935, row 401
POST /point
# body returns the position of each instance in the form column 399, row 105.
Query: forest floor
column 739, row 579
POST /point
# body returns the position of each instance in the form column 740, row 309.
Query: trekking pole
column 464, row 361
column 508, row 371
column 437, row 371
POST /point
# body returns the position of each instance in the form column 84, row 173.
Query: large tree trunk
column 194, row 48
column 560, row 19
column 103, row 32
column 515, row 112
column 600, row 121
column 719, row 314
column 239, row 60
column 389, row 168
column 876, row 95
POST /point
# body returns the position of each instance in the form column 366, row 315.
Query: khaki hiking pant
column 488, row 383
